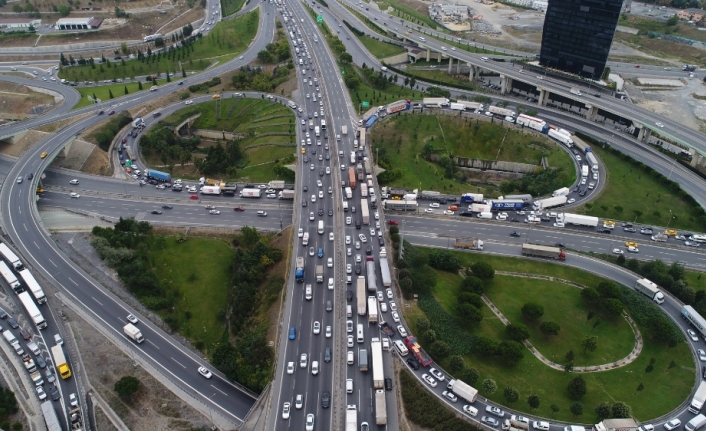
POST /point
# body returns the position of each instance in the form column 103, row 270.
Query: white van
column 349, row 386
column 487, row 215
column 308, row 292
column 401, row 348
column 349, row 311
column 351, row 358
column 321, row 227
column 385, row 344
column 345, row 205
column 472, row 411
column 359, row 333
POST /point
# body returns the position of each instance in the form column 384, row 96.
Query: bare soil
column 18, row 102
column 191, row 16
column 22, row 145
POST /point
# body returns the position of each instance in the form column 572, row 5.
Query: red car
column 124, row 140
column 637, row 66
column 194, row 197
column 239, row 209
column 111, row 112
column 393, row 222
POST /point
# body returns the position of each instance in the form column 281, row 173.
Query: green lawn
column 102, row 92
column 405, row 137
column 365, row 93
column 231, row 6
column 200, row 289
column 664, row 388
column 259, row 168
column 379, row 48
column 632, row 189
column 562, row 304
column 696, row 280
column 407, row 12
column 226, row 39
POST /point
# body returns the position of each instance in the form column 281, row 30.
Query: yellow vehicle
column 609, row 224
column 631, row 244
column 216, row 96
column 43, row 155
column 670, row 232
column 303, row 150
column 40, row 190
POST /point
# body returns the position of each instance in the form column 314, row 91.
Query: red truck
column 351, row 177
column 416, row 349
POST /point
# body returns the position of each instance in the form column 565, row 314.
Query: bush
column 126, row 386
column 517, row 332
column 577, row 388
column 532, row 311
column 105, row 135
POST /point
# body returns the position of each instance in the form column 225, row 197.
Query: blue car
column 321, row 252
column 292, row 333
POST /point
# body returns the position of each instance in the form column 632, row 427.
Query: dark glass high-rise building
column 577, row 35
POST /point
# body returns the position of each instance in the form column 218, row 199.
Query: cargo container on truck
column 351, row 417
column 591, row 159
column 10, row 278
column 400, row 205
column 361, row 296
column 380, row 408
column 400, row 105
column 543, row 204
column 319, row 273
column 364, row 212
column 463, row 390
column 11, row 257
column 364, row 190
column 457, row 106
column 577, row 219
column 485, row 215
column 276, row 184
column 697, row 402
column 378, row 371
column 250, row 193
column 507, row 204
column 351, row 177
column 435, row 102
column 562, row 136
column 33, row 286
column 532, row 122
column 543, row 251
column 363, row 360
column 349, row 193
column 158, row 175
column 229, row 189
column 32, row 310
column 360, row 172
column 370, row 272
column 501, row 111
column 299, row 271
column 372, row 309
column 428, row 194
column 468, row 243
column 211, row 190
column 471, row 106
column 524, row 198
column 50, row 417
column 584, row 171
column 650, row 290
column 479, row 208
column 616, row 425
column 385, row 270
column 353, row 158
column 698, row 322
column 564, row 191
column 62, row 367
column 131, row 331
column 422, row 357
column 471, row 198
column 286, row 195
column 344, row 130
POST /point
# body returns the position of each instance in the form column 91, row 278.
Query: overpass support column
column 458, row 66
column 543, row 96
column 505, row 84
column 592, row 112
column 644, row 134
column 471, row 73
column 451, row 63
column 428, row 53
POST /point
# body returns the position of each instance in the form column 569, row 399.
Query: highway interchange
column 114, row 198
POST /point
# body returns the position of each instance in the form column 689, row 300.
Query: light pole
column 672, row 168
column 670, row 218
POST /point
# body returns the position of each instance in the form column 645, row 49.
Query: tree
column 423, row 324
column 602, row 411
column 473, row 285
column 412, row 82
column 110, row 93
column 489, row 386
column 511, row 395
column 590, row 295
column 608, row 289
column 576, row 409
column 486, row 346
column 517, row 332
column 265, row 56
column 250, row 235
column 439, row 349
column 612, row 307
column 549, row 328
column 533, row 402
column 569, row 367
column 621, row 410
column 577, row 388
column 570, row 355
column 511, row 351
column 532, row 311
column 345, row 58
column 470, row 298
column 456, row 363
column 470, row 375
column 640, row 388
column 468, row 313
column 555, row 409
column 482, row 270
column 126, row 386
column 590, row 343
column 63, row 9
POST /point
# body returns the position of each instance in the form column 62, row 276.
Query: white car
column 376, row 215
column 310, row 416
column 285, row 410
column 132, row 319
column 189, row 102
column 541, row 425
column 357, row 245
column 358, row 258
column 313, row 197
column 362, row 238
column 330, row 283
column 319, row 183
column 372, row 231
column 349, row 268
column 437, row 374
column 447, row 212
column 290, row 367
column 433, row 205
column 41, row 394
column 383, row 307
column 450, row 396
column 303, row 360
column 74, row 182
column 348, row 237
column 389, row 293
column 321, row 194
column 429, row 380
column 428, row 210
column 214, row 212
column 617, row 251
column 329, row 262
column 632, row 249
column 348, row 222
column 75, row 195
column 570, row 201
column 300, row 233
column 205, row 372
column 314, row 367
column 381, row 296
column 393, row 306
column 349, row 326
column 672, row 424
column 350, row 341
column 402, row 331
column 311, row 216
column 495, row 410
column 328, row 170
column 328, row 332
column 73, row 400
column 317, row 327
column 330, row 236
column 692, row 335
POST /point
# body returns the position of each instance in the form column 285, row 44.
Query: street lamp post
column 670, row 218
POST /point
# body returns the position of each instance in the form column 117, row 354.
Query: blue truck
column 471, row 198
column 299, row 271
column 158, row 175
column 370, row 121
column 507, row 204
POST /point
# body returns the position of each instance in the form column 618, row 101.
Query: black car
column 156, row 212
column 466, row 214
column 167, row 207
column 313, row 151
column 321, row 212
column 330, row 212
column 514, row 220
column 357, row 224
column 413, row 363
column 329, row 305
column 560, row 245
column 603, row 230
column 545, row 218
column 326, row 399
column 451, row 199
column 41, row 363
column 13, row 323
column 357, row 269
column 515, row 234
column 54, row 393
column 349, row 295
column 153, row 182
column 327, row 354
column 388, row 384
column 304, row 203
column 305, row 188
column 30, row 176
column 176, row 189
column 368, row 250
column 576, row 189
column 381, row 241
column 328, row 157
column 583, row 192
column 321, row 173
column 306, row 160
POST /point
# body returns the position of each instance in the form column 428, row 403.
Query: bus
column 50, row 417
column 32, row 310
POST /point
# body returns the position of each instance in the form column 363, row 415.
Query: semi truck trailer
column 468, row 243
column 543, row 251
column 650, row 290
column 577, row 219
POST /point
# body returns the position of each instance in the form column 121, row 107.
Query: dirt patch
column 97, row 163
column 52, row 127
column 23, row 144
column 102, row 421
column 191, row 16
column 18, row 102
column 289, row 86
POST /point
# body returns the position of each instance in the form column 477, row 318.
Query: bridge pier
column 592, row 112
column 451, row 63
column 458, row 67
column 505, row 84
column 543, row 96
column 644, row 134
column 428, row 53
column 471, row 73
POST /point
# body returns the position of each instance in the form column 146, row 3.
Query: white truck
column 319, row 273
column 11, row 257
column 562, row 136
column 305, row 238
column 276, row 184
column 349, row 193
column 696, row 423
column 501, row 111
column 352, row 157
column 591, row 159
column 584, row 171
column 363, row 190
column 545, row 203
column 564, row 191
column 463, row 390
column 250, row 193
column 344, row 130
column 360, row 296
column 10, row 278
column 378, row 371
column 471, row 106
column 34, row 287
column 286, row 195
column 435, row 102
column 577, row 219
column 372, row 309
column 699, row 398
column 211, row 190
column 380, row 408
column 479, row 208
column 385, row 270
column 351, row 417
column 485, row 215
column 650, row 290
column 457, row 106
column 134, row 333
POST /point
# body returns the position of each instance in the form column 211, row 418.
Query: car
column 389, row 293
column 328, row 332
column 326, row 399
column 330, row 236
column 43, row 155
column 205, row 372
column 54, row 393
column 617, row 251
column 490, row 421
column 348, row 239
column 350, row 341
column 515, row 234
column 395, row 316
column 413, row 363
column 357, row 245
column 393, row 222
column 541, row 425
column 692, row 244
column 49, row 373
column 74, row 182
column 383, row 307
column 437, row 374
column 13, row 323
column 702, row 354
column 633, row 249
column 348, row 222
column 429, row 211
column 630, row 244
column 349, row 295
column 349, row 268
column 372, row 231
column 320, row 253
column 317, row 327
column 672, row 424
column 380, row 295
column 132, row 319
column 629, row 229
column 24, row 333
column 349, row 326
column 362, row 238
column 41, row 362
column 41, row 394
column 286, row 407
column 368, row 250
column 303, row 360
column 570, row 201
column 74, row 195
column 450, row 396
column 327, row 354
column 429, row 380
column 214, row 212
column 358, row 269
column 310, row 422
column 156, row 212
column 358, row 258
column 659, row 124
column 321, row 211
column 73, row 400
column 691, row 333
column 497, row 411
